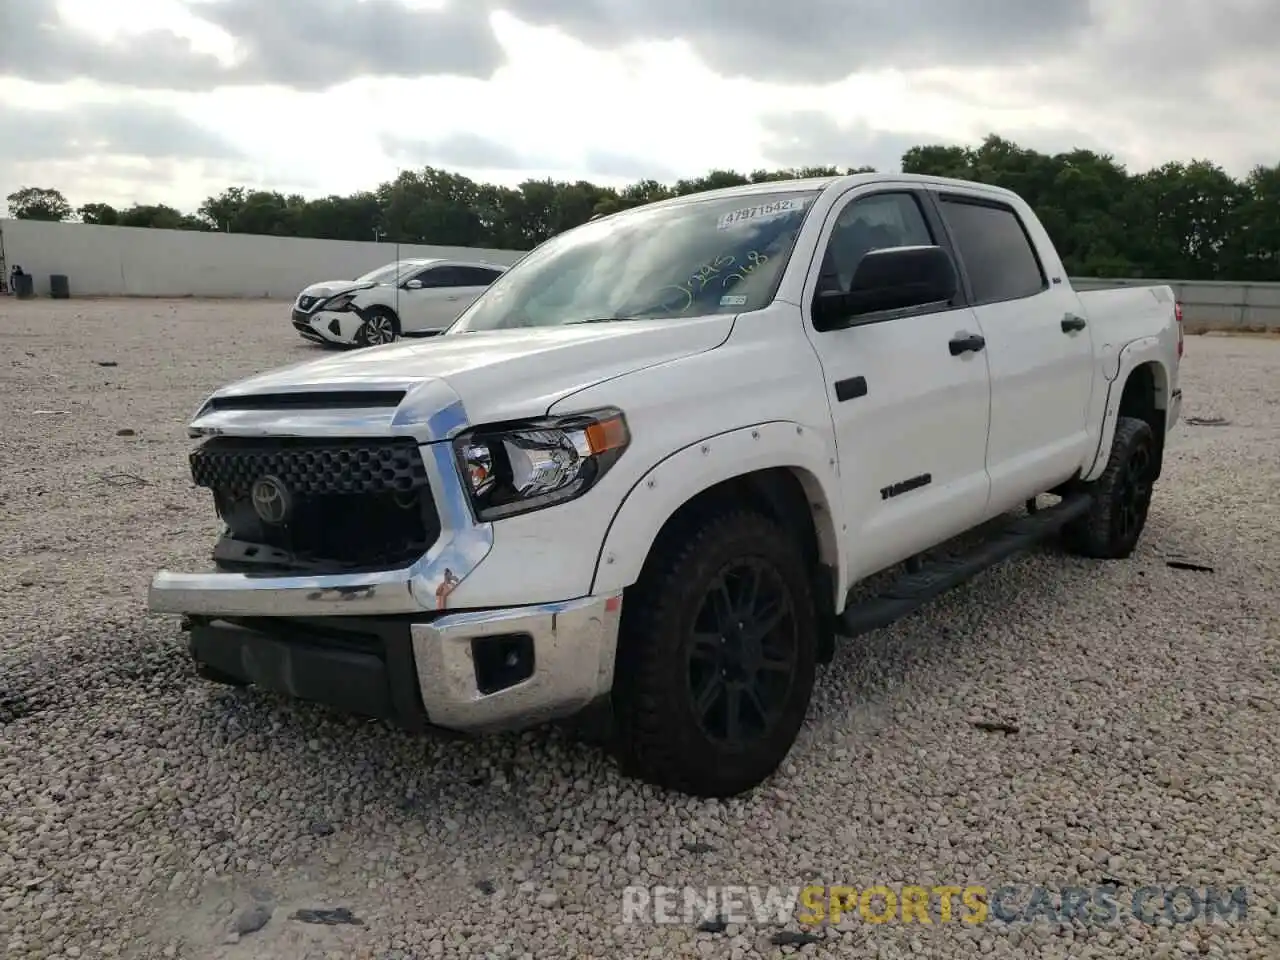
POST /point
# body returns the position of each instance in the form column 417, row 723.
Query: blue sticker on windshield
column 732, row 301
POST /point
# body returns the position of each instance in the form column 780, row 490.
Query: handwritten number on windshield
column 744, row 270
column 699, row 279
column 705, row 273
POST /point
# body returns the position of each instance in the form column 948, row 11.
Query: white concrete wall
column 141, row 262
column 1211, row 304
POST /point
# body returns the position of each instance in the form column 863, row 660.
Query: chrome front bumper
column 574, row 645
column 406, row 656
column 444, row 672
column 423, row 586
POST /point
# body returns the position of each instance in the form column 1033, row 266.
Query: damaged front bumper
column 473, row 671
column 328, row 326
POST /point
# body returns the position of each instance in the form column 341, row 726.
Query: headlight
column 521, row 467
column 338, row 303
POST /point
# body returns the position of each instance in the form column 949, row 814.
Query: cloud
column 37, row 45
column 821, row 41
column 305, row 46
column 468, row 150
column 317, row 43
column 616, row 165
column 1153, row 82
column 811, row 138
column 114, row 129
column 472, row 151
column 113, row 152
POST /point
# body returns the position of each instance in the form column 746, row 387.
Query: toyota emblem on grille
column 271, row 500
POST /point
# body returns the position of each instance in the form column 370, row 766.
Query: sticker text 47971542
column 763, row 211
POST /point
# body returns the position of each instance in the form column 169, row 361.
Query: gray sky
column 170, row 100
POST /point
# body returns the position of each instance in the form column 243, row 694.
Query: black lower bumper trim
column 356, row 665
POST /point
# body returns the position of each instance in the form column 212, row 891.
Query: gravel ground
column 146, row 813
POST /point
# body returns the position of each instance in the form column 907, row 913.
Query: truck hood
column 498, row 375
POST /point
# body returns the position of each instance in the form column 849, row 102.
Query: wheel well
column 779, row 493
column 1144, row 398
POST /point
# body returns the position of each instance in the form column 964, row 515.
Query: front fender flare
column 676, row 480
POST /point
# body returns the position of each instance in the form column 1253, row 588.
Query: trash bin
column 59, row 286
column 24, row 286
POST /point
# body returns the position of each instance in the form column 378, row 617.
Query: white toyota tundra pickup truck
column 641, row 475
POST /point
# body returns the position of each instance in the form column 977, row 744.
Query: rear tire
column 716, row 658
column 1122, row 496
column 381, row 326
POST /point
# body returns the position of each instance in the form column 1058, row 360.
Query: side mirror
column 893, row 278
column 413, row 285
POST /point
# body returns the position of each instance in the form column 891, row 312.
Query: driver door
column 910, row 416
column 433, row 305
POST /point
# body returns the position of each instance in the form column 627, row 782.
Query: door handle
column 453, row 298
column 851, row 389
column 1072, row 323
column 969, row 344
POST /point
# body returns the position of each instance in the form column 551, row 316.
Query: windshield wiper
column 600, row 320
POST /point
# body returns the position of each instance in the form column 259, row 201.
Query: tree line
column 1181, row 220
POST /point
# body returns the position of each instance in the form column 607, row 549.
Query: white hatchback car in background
column 406, row 298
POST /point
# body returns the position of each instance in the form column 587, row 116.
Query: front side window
column 694, row 258
column 441, row 277
column 871, row 223
column 997, row 253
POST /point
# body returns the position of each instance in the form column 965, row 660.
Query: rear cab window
column 995, row 247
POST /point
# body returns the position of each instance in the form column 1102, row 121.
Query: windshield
column 389, row 272
column 723, row 255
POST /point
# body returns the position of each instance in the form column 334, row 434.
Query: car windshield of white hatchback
column 387, row 273
column 691, row 259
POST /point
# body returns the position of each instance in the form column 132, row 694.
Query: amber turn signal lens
column 606, row 435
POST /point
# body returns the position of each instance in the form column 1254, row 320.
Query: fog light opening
column 502, row 661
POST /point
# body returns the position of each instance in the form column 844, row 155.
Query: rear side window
column 476, row 276
column 997, row 253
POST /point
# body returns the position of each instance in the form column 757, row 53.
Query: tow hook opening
column 502, row 661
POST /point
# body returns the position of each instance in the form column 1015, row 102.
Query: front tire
column 716, row 659
column 380, row 326
column 1122, row 496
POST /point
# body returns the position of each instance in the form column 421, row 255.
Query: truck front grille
column 310, row 467
column 348, row 504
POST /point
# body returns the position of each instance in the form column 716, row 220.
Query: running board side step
column 930, row 580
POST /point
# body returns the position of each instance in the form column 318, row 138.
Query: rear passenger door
column 474, row 281
column 1041, row 359
column 909, row 411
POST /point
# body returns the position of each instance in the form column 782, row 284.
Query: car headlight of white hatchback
column 520, row 467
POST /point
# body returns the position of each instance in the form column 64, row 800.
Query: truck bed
column 1126, row 313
